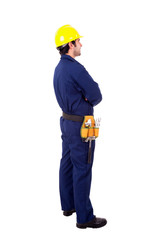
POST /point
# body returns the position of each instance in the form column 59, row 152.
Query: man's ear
column 70, row 45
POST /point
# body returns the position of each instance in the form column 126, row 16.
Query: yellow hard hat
column 66, row 34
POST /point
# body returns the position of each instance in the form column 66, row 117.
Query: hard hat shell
column 66, row 34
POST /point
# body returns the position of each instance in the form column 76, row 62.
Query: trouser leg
column 82, row 174
column 66, row 178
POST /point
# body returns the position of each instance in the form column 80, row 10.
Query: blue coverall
column 77, row 93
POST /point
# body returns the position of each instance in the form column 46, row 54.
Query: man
column 77, row 93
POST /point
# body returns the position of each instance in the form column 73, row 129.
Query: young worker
column 77, row 93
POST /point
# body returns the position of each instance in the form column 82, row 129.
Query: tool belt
column 89, row 129
column 74, row 118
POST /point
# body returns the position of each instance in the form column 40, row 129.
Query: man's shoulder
column 73, row 65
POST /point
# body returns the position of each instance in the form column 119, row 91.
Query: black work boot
column 95, row 223
column 68, row 213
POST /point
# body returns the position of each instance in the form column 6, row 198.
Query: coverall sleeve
column 89, row 88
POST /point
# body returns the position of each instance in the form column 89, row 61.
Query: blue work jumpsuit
column 77, row 93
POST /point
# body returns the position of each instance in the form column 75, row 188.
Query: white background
column 121, row 51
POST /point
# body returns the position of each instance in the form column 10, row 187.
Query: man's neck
column 70, row 54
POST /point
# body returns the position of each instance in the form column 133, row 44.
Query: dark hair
column 65, row 48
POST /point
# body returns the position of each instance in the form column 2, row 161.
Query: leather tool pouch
column 88, row 129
